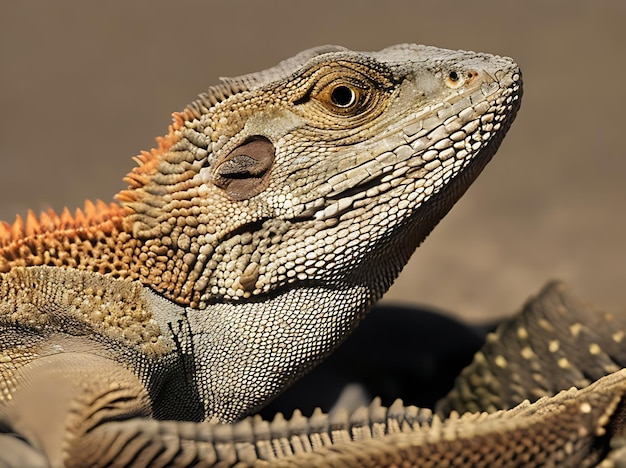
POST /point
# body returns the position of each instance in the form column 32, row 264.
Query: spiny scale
column 92, row 214
column 49, row 221
column 147, row 160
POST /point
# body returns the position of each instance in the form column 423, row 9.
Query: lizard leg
column 63, row 397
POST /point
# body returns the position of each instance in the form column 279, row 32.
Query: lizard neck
column 98, row 238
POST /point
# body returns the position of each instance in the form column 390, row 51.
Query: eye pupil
column 343, row 96
column 454, row 76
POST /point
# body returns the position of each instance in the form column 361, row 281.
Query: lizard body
column 248, row 245
column 284, row 203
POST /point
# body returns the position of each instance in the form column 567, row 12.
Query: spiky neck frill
column 96, row 238
column 91, row 239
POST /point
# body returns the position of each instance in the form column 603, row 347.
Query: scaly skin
column 248, row 245
column 179, row 219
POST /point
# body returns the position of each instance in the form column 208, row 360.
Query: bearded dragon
column 278, row 208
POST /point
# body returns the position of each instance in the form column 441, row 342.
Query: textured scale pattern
column 557, row 343
column 247, row 247
column 278, row 208
column 567, row 428
column 115, row 309
column 340, row 181
column 82, row 240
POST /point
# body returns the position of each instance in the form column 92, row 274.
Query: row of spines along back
column 49, row 221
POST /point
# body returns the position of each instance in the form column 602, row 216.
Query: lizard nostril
column 457, row 79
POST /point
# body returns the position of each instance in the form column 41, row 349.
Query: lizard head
column 327, row 169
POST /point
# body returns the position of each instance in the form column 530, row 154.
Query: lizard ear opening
column 245, row 171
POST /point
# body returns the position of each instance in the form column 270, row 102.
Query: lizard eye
column 343, row 96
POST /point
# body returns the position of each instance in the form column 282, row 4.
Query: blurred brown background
column 85, row 85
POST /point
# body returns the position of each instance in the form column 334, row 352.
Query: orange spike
column 90, row 211
column 145, row 157
column 104, row 211
column 17, row 229
column 32, row 224
column 126, row 196
column 179, row 120
column 46, row 222
column 54, row 218
column 123, row 209
column 161, row 142
column 166, row 142
column 79, row 218
column 147, row 161
column 188, row 114
column 132, row 183
column 102, row 207
column 135, row 179
column 66, row 221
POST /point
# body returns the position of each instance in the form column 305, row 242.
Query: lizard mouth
column 334, row 206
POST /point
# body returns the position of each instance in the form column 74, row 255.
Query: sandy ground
column 85, row 85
